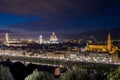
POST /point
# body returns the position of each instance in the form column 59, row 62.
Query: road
column 18, row 56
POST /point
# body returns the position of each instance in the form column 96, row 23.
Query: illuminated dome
column 53, row 37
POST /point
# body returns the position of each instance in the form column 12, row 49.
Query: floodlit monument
column 40, row 39
column 6, row 39
column 53, row 38
column 12, row 42
column 109, row 47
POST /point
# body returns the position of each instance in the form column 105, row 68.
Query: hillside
column 98, row 34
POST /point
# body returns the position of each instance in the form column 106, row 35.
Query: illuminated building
column 59, row 55
column 6, row 39
column 12, row 42
column 102, row 47
column 73, row 56
column 53, row 38
column 40, row 40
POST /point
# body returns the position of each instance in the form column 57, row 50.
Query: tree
column 114, row 75
column 5, row 74
column 36, row 75
column 33, row 76
column 75, row 73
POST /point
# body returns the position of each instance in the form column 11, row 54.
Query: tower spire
column 53, row 33
column 109, row 42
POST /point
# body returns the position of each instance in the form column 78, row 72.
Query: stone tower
column 6, row 39
column 109, row 43
column 40, row 40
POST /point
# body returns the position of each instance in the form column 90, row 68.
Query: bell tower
column 7, row 39
column 40, row 39
column 109, row 43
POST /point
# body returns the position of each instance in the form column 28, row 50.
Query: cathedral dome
column 53, row 37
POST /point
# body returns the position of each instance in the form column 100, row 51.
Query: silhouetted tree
column 18, row 70
column 5, row 74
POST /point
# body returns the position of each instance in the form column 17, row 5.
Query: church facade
column 104, row 48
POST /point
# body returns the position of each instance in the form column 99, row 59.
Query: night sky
column 34, row 17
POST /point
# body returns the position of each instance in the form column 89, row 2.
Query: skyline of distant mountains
column 97, row 34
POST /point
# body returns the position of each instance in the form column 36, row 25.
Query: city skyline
column 64, row 17
column 59, row 39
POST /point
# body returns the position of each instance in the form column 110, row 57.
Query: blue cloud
column 9, row 19
column 60, row 15
column 71, row 24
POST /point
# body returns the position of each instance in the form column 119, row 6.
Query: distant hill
column 98, row 34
